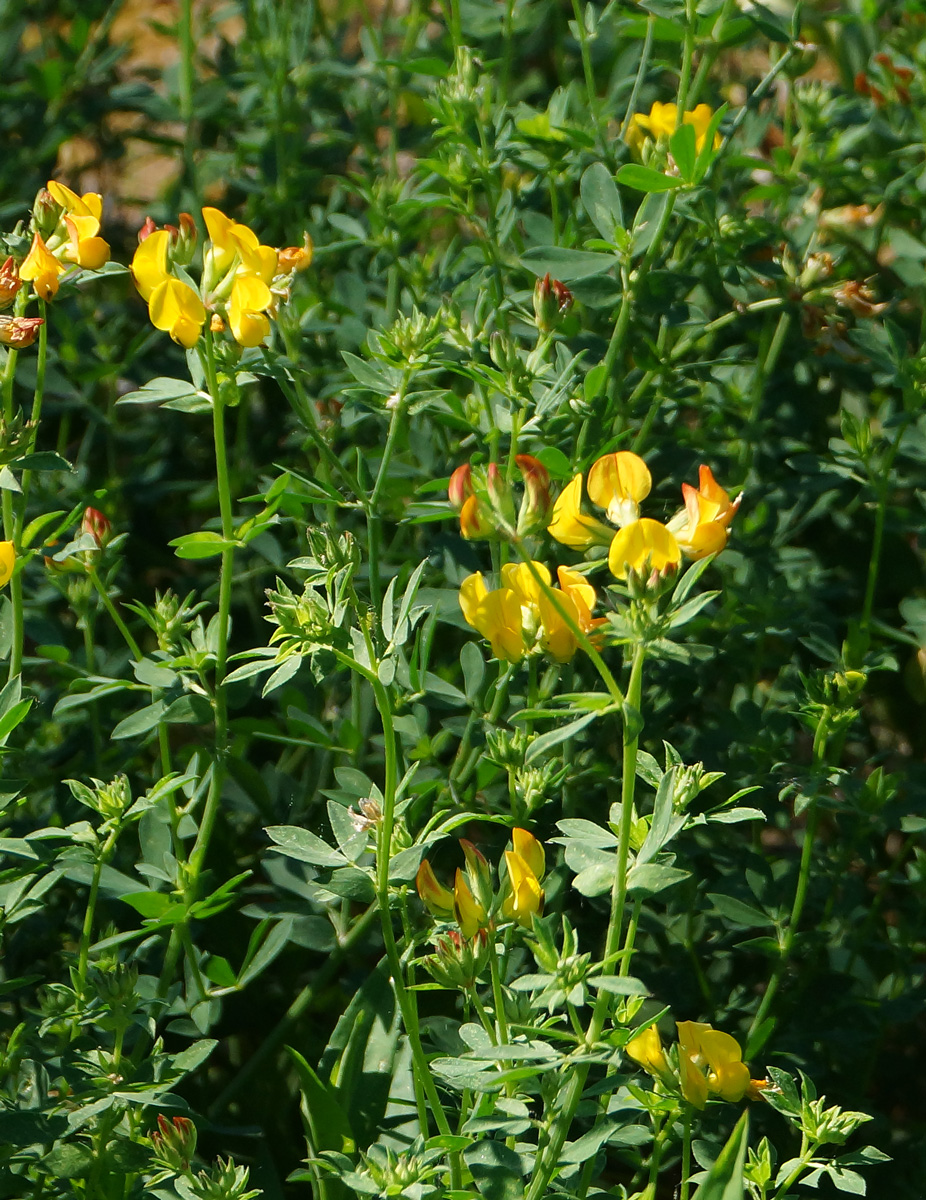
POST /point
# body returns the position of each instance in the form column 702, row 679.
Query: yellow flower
column 661, row 122
column 641, row 547
column 82, row 220
column 7, row 562
column 176, row 308
column 250, row 298
column 525, row 895
column 577, row 598
column 710, row 1063
column 528, row 848
column 469, row 913
column 519, row 615
column 172, row 304
column 41, row 268
column 571, row 526
column 702, row 526
column 435, row 897
column 646, row 1049
column 230, row 239
column 617, row 483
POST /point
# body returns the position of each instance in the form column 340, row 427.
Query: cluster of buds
column 707, row 1063
column 66, row 233
column 475, row 906
column 241, row 286
column 17, row 332
column 174, row 1143
column 641, row 551
column 486, row 504
column 552, row 300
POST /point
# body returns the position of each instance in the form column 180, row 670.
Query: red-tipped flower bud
column 460, row 487
column 10, row 283
column 97, row 525
column 19, row 331
column 146, row 230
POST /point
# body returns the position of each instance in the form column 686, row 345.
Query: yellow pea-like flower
column 532, row 851
column 174, row 307
column 84, row 246
column 661, row 120
column 435, row 897
column 41, row 268
column 617, row 483
column 250, row 298
column 643, row 546
column 525, row 895
column 88, row 205
column 573, row 527
column 702, row 526
column 646, row 1049
column 149, row 263
column 710, row 1062
column 469, row 913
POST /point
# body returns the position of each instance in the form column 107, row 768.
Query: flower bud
column 478, row 873
column 174, row 1142
column 19, row 331
column 183, row 240
column 537, row 504
column 476, row 519
column 460, row 487
column 500, row 498
column 97, row 525
column 552, row 300
column 216, row 324
column 295, row 258
column 10, row 283
column 437, row 899
column 146, row 230
column 458, row 961
column 469, row 914
column 45, row 213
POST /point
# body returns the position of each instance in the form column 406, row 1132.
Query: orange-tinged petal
column 576, row 586
column 571, row 526
column 617, row 483
column 469, row 913
column 436, row 898
column 41, row 268
column 644, row 545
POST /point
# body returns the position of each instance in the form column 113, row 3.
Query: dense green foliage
column 196, row 920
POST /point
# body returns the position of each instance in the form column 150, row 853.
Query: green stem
column 545, row 1165
column 687, row 56
column 86, row 933
column 187, row 82
column 591, row 91
column 686, row 1156
column 640, row 76
column 498, row 1000
column 114, row 614
column 882, row 487
column 35, row 417
column 210, row 812
column 374, row 517
column 9, row 523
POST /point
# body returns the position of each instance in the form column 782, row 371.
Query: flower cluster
column 661, row 123
column 242, row 280
column 709, row 1063
column 525, row 615
column 484, row 500
column 473, row 904
column 66, row 232
column 617, row 483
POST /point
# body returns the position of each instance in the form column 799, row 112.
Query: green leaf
column 739, row 912
column 645, row 179
column 724, row 1181
column 568, row 266
column 682, row 146
column 554, row 737
column 169, row 391
column 44, row 460
column 650, row 878
column 140, row 722
column 497, row 1170
column 204, row 544
column 305, row 846
column 602, row 200
column 189, row 710
column 328, row 1124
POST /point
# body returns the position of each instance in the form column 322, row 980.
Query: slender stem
column 374, row 517
column 187, row 84
column 210, row 812
column 35, row 417
column 687, row 56
column 9, row 523
column 591, row 90
column 545, row 1164
column 498, row 1000
column 686, row 1155
column 86, row 933
column 114, row 613
column 640, row 76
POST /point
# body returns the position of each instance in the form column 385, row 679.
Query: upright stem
column 86, row 933
column 114, row 613
column 201, row 846
column 9, row 523
column 374, row 518
column 187, row 84
column 545, row 1165
column 882, row 488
